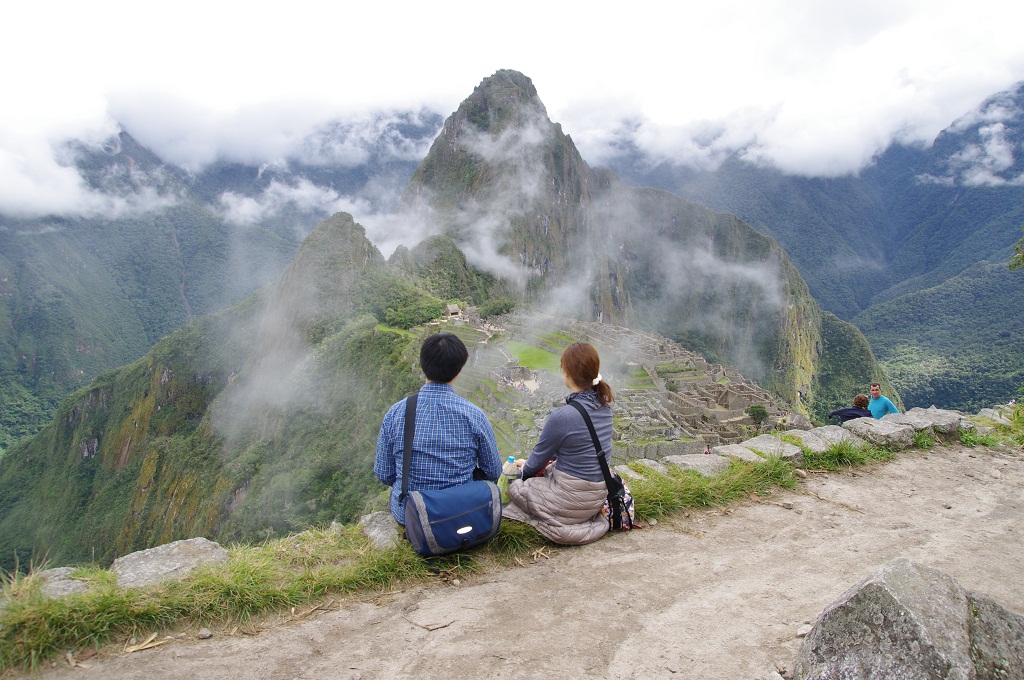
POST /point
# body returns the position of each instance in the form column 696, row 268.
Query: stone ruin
column 686, row 404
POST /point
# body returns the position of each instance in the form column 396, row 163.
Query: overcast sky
column 812, row 86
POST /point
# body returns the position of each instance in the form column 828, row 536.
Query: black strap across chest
column 597, row 443
column 410, row 429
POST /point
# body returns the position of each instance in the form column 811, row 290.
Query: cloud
column 989, row 156
column 193, row 136
column 366, row 137
column 812, row 88
column 314, row 133
column 303, row 196
column 39, row 176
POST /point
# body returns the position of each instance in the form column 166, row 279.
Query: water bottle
column 509, row 471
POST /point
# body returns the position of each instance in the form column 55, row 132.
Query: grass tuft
column 923, row 440
column 657, row 495
column 972, row 438
column 844, row 455
column 515, row 539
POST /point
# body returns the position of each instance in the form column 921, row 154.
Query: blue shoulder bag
column 442, row 521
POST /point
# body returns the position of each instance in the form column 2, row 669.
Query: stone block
column 881, row 432
column 704, row 464
column 381, row 528
column 738, row 452
column 993, row 414
column 626, row 472
column 171, row 561
column 652, row 465
column 797, row 421
column 57, row 582
column 834, row 434
column 944, row 421
column 915, row 421
column 773, row 446
column 810, row 440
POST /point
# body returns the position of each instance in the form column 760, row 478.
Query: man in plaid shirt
column 453, row 437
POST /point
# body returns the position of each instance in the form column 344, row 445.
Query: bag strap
column 410, row 429
column 597, row 444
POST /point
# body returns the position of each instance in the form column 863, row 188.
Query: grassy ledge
column 262, row 580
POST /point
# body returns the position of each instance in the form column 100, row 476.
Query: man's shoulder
column 396, row 408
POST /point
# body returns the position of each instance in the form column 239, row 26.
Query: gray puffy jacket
column 563, row 508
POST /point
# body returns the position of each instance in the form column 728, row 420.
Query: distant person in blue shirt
column 452, row 438
column 879, row 405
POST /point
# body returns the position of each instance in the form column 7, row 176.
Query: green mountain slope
column 155, row 246
column 960, row 342
column 256, row 420
column 913, row 222
column 83, row 296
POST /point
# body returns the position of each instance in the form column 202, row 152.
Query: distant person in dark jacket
column 858, row 410
column 879, row 405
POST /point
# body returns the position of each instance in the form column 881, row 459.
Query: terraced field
column 668, row 400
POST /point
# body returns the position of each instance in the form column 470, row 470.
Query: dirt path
column 713, row 594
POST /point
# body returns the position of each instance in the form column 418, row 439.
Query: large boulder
column 834, row 434
column 914, row 420
column 811, row 441
column 170, row 561
column 911, row 621
column 738, row 452
column 895, row 436
column 942, row 420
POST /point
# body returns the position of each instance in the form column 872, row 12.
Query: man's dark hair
column 442, row 357
column 876, row 385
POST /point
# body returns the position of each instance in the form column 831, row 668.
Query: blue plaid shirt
column 452, row 438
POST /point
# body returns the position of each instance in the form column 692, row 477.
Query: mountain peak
column 503, row 99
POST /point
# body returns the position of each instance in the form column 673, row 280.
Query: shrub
column 758, row 413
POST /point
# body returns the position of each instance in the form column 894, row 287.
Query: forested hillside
column 972, row 356
column 258, row 419
column 921, row 224
column 158, row 246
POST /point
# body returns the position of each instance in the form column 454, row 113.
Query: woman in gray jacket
column 563, row 501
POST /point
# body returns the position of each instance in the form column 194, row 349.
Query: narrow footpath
column 711, row 594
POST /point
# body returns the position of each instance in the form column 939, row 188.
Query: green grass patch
column 923, row 440
column 254, row 581
column 656, row 495
column 534, row 358
column 844, row 455
column 974, row 438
